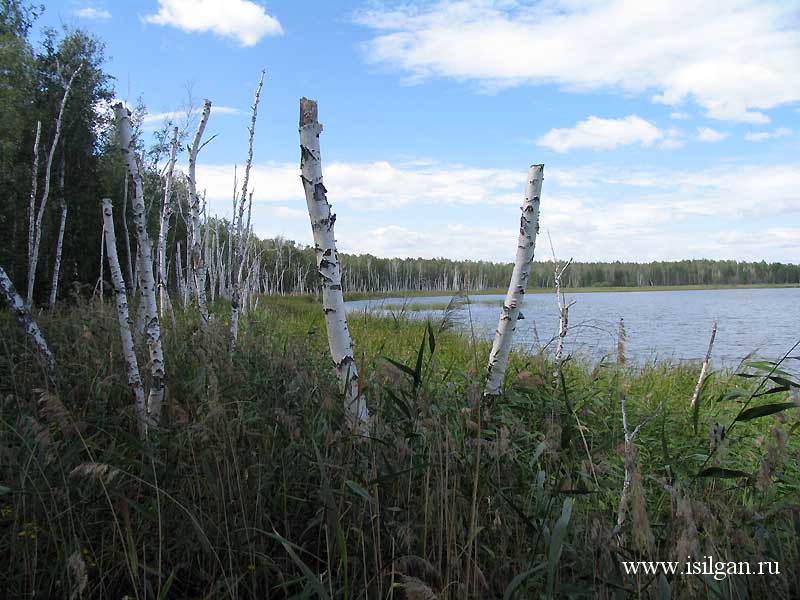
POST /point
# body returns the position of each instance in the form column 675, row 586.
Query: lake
column 661, row 326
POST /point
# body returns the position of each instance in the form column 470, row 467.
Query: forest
column 188, row 411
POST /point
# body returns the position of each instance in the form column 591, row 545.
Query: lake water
column 671, row 326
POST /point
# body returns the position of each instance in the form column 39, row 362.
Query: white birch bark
column 34, row 187
column 704, row 369
column 198, row 269
column 238, row 230
column 120, row 293
column 29, row 325
column 179, row 280
column 37, row 237
column 62, row 202
column 322, row 228
column 528, row 228
column 563, row 306
column 163, row 230
column 146, row 280
column 131, row 279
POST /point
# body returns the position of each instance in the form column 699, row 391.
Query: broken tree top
column 308, row 111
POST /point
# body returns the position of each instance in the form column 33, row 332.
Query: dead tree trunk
column 145, row 268
column 528, row 228
column 131, row 279
column 28, row 324
column 163, row 230
column 198, row 269
column 34, row 187
column 322, row 227
column 704, row 369
column 128, row 352
column 240, row 242
column 62, row 202
column 37, row 236
column 563, row 307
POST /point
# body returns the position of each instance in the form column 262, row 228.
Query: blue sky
column 668, row 130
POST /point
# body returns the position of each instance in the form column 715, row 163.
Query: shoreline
column 351, row 296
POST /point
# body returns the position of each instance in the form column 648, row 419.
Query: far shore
column 581, row 290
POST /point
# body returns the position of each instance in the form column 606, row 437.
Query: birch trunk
column 131, row 280
column 563, row 307
column 241, row 239
column 145, row 268
column 128, row 352
column 704, row 369
column 528, row 228
column 62, row 202
column 34, row 187
column 28, row 324
column 198, row 270
column 37, row 237
column 322, row 228
column 163, row 230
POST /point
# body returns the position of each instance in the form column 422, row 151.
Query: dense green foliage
column 253, row 489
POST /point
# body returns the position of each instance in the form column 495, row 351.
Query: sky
column 668, row 130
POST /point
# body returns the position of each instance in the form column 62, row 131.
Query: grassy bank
column 255, row 488
column 578, row 290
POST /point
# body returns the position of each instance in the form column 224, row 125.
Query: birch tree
column 704, row 370
column 34, row 187
column 240, row 243
column 510, row 313
column 327, row 259
column 563, row 306
column 198, row 270
column 163, row 230
column 37, row 233
column 145, row 269
column 120, row 293
column 62, row 202
column 29, row 326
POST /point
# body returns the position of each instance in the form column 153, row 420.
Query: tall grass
column 254, row 487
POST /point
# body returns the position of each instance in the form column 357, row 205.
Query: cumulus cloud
column 242, row 20
column 761, row 136
column 707, row 134
column 593, row 211
column 606, row 134
column 735, row 58
column 89, row 12
column 374, row 185
column 157, row 118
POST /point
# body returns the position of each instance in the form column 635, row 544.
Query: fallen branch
column 29, row 325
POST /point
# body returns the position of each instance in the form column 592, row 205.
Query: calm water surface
column 669, row 326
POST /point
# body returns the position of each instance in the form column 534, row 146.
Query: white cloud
column 593, row 212
column 760, row 136
column 606, row 134
column 759, row 190
column 680, row 116
column 375, row 185
column 89, row 12
column 177, row 115
column 707, row 134
column 735, row 58
column 242, row 20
